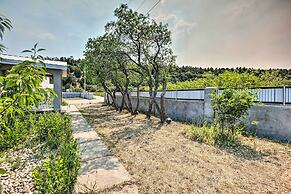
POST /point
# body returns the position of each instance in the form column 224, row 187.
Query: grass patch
column 99, row 93
column 211, row 135
column 2, row 171
column 162, row 159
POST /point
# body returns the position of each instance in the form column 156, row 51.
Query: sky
column 217, row 33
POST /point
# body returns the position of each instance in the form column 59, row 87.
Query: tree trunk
column 137, row 100
column 122, row 102
column 129, row 103
column 151, row 101
column 114, row 100
column 162, row 103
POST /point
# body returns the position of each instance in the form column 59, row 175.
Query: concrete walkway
column 100, row 170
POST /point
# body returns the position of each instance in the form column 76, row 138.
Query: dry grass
column 162, row 159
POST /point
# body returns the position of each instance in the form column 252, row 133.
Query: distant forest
column 179, row 77
column 190, row 73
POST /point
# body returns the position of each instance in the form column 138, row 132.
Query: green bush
column 54, row 129
column 230, row 107
column 19, row 129
column 58, row 174
column 50, row 178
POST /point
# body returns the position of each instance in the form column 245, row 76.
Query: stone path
column 100, row 170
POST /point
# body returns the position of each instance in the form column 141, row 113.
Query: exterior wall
column 46, row 83
column 273, row 120
column 183, row 110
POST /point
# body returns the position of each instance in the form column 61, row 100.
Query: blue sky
column 219, row 33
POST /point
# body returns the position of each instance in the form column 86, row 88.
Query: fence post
column 284, row 95
column 208, row 111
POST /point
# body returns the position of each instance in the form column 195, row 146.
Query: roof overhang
column 14, row 60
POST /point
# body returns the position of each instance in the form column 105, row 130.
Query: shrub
column 50, row 177
column 54, row 129
column 19, row 129
column 230, row 106
column 58, row 174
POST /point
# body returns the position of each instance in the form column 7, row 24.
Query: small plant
column 16, row 164
column 210, row 134
column 230, row 106
column 58, row 174
column 49, row 178
column 2, row 171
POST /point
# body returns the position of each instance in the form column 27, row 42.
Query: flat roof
column 14, row 60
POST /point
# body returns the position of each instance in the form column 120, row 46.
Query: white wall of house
column 47, row 83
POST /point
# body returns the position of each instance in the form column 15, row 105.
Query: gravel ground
column 19, row 165
column 162, row 159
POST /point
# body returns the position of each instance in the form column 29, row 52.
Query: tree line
column 184, row 77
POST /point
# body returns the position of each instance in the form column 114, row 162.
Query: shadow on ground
column 127, row 126
column 239, row 149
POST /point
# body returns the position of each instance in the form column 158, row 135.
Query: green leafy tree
column 5, row 23
column 230, row 106
column 21, row 89
column 147, row 45
column 102, row 66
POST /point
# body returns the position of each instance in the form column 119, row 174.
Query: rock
column 19, row 180
column 168, row 120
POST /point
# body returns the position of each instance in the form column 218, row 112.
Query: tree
column 230, row 106
column 103, row 67
column 114, row 71
column 5, row 23
column 147, row 45
column 21, row 90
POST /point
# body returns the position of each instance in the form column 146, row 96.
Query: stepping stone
column 101, row 173
column 86, row 136
column 93, row 149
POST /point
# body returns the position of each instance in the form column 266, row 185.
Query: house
column 55, row 71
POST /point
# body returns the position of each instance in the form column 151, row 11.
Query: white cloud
column 177, row 25
column 47, row 36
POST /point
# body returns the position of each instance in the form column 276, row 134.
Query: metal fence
column 275, row 95
column 197, row 94
column 279, row 95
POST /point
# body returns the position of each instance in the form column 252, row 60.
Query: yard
column 163, row 159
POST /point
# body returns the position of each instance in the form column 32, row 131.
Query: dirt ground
column 162, row 159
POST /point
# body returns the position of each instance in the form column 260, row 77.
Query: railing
column 279, row 95
column 197, row 94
